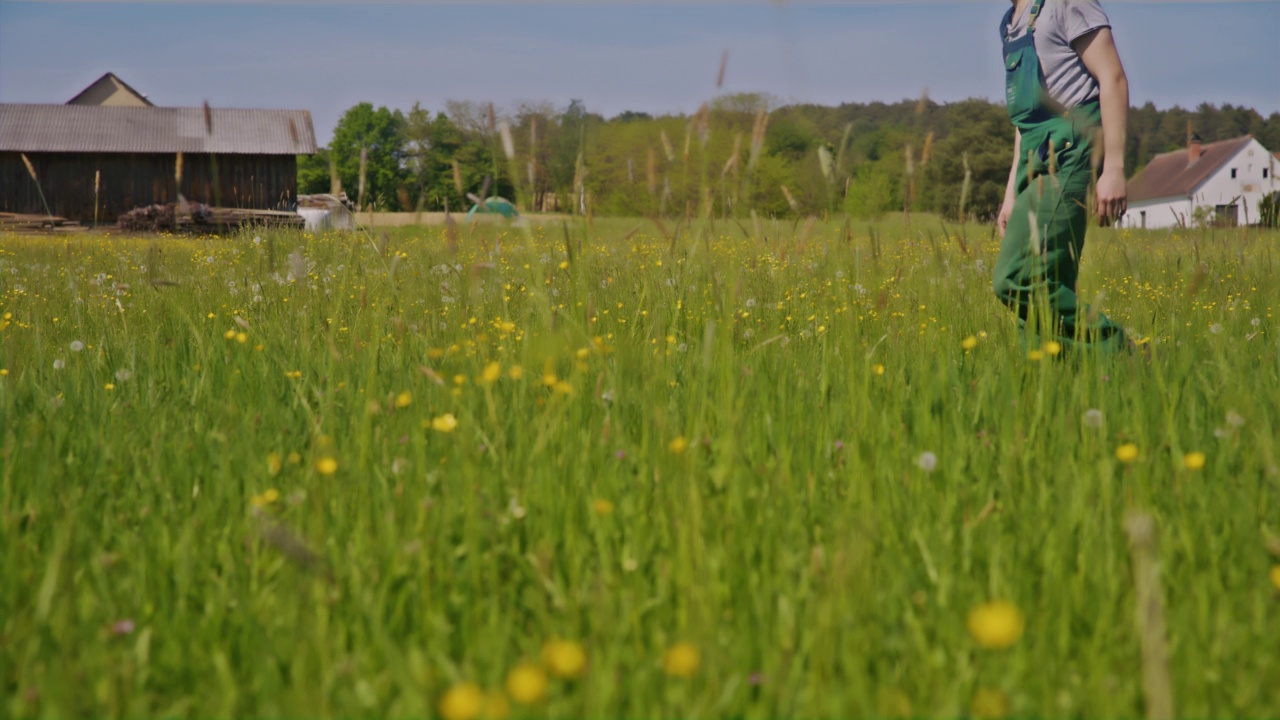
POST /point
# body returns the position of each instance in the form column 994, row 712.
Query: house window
column 1226, row 215
column 1233, row 173
column 1265, row 172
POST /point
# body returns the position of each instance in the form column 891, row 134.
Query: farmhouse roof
column 1173, row 174
column 104, row 129
column 108, row 83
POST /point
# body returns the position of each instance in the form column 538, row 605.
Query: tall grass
column 246, row 492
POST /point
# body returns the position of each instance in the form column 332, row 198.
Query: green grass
column 796, row 541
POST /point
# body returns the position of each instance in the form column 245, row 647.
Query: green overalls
column 1040, row 257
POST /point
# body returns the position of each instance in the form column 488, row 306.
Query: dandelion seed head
column 927, row 461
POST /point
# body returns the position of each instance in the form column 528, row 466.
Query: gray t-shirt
column 1061, row 22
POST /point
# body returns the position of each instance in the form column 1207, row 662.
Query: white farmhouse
column 1226, row 178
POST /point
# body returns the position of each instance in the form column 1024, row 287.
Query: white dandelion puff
column 927, row 461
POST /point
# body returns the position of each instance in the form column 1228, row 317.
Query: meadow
column 612, row 469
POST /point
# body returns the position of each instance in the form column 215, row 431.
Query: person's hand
column 1006, row 211
column 1113, row 198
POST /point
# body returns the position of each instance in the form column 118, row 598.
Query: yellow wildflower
column 242, row 338
column 969, row 343
column 496, row 707
column 527, row 684
column 564, row 658
column 894, row 703
column 1193, row 460
column 996, row 625
column 326, row 466
column 1127, row 453
column 294, row 458
column 404, row 399
column 446, row 423
column 602, row 507
column 265, row 499
column 877, row 369
column 230, row 334
column 109, row 386
column 1035, row 355
column 516, row 372
column 273, row 463
column 681, row 660
column 462, row 702
column 989, row 704
column 491, row 373
column 678, row 445
column 1275, row 576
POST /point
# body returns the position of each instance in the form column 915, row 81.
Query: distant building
column 111, row 91
column 110, row 150
column 1226, row 179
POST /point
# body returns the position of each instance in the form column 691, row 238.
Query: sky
column 656, row 57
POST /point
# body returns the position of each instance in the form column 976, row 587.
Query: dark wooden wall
column 259, row 182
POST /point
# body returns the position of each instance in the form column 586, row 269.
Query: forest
column 739, row 153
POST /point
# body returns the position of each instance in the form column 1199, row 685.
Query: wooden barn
column 109, row 151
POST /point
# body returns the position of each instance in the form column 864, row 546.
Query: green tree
column 379, row 133
column 313, row 173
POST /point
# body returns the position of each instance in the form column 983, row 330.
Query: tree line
column 738, row 154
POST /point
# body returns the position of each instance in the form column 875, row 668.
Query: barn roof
column 100, row 129
column 1171, row 175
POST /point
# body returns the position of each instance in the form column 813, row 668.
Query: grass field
column 721, row 476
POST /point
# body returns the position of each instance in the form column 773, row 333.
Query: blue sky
column 655, row 57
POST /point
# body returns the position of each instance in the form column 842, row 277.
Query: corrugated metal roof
column 90, row 128
column 1172, row 175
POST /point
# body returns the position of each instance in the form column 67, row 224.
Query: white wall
column 1219, row 189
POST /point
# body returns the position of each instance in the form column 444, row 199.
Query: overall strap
column 1033, row 14
column 1005, row 22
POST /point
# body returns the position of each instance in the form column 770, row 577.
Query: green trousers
column 1039, row 261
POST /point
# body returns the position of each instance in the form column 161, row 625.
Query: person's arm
column 1097, row 50
column 1010, row 188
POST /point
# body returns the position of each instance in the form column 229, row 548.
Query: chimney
column 1193, row 150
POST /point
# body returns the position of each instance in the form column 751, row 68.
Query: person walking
column 1068, row 98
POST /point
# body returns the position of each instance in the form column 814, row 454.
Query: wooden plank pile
column 20, row 222
column 197, row 217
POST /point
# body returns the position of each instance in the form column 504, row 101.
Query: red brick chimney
column 1194, row 149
